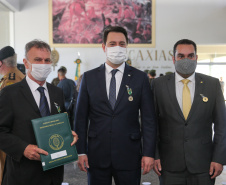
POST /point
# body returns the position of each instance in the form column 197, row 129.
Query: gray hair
column 38, row 44
column 10, row 61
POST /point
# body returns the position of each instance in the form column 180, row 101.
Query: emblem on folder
column 56, row 142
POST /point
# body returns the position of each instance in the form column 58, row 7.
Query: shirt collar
column 33, row 85
column 121, row 68
column 179, row 78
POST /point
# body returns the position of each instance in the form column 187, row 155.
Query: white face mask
column 116, row 54
column 40, row 71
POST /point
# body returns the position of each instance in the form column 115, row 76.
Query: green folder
column 53, row 134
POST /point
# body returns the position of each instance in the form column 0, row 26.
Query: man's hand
column 83, row 159
column 157, row 167
column 215, row 169
column 147, row 164
column 32, row 152
column 75, row 138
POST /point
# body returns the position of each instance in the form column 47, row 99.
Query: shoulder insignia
column 12, row 76
column 9, row 83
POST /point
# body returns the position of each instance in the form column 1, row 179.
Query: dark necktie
column 112, row 90
column 43, row 105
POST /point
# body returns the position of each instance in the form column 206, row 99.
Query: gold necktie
column 186, row 99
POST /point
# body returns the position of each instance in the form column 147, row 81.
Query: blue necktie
column 112, row 90
column 43, row 106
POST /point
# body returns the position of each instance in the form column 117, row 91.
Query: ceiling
column 3, row 8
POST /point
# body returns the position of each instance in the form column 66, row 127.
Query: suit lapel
column 199, row 85
column 102, row 85
column 172, row 93
column 28, row 95
column 52, row 100
column 125, row 81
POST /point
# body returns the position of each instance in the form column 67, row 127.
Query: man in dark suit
column 187, row 105
column 110, row 99
column 19, row 104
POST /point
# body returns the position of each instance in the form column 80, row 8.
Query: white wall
column 200, row 20
column 4, row 33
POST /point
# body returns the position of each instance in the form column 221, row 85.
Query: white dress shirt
column 179, row 88
column 118, row 77
column 36, row 94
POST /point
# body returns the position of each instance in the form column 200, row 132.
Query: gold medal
column 130, row 98
column 205, row 99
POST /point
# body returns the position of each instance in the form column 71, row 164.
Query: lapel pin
column 201, row 82
column 58, row 107
column 205, row 99
column 129, row 75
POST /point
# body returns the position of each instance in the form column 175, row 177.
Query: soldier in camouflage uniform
column 11, row 75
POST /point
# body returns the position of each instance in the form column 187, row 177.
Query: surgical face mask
column 40, row 71
column 116, row 54
column 185, row 66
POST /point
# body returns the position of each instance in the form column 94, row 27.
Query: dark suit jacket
column 114, row 136
column 188, row 143
column 17, row 109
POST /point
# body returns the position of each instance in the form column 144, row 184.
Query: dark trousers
column 99, row 176
column 185, row 178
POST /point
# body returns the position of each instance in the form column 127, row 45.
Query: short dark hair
column 38, row 44
column 186, row 42
column 118, row 29
column 62, row 70
column 152, row 73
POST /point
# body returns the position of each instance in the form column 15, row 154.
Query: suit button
column 186, row 124
column 113, row 116
column 110, row 132
column 186, row 140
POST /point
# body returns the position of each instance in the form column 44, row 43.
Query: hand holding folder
column 53, row 135
column 32, row 152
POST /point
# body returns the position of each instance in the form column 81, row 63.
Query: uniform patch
column 12, row 76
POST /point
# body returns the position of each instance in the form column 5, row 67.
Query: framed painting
column 81, row 23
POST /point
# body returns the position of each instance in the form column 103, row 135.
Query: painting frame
column 94, row 45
